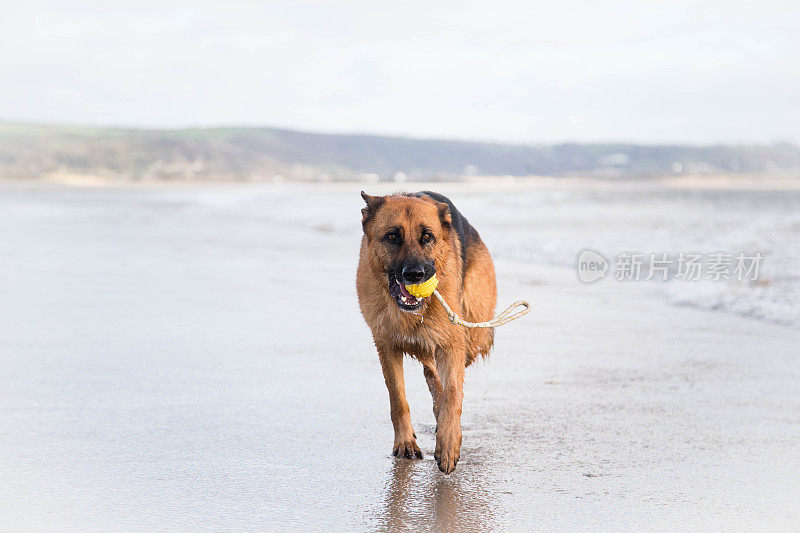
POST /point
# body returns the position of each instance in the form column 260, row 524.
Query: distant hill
column 31, row 151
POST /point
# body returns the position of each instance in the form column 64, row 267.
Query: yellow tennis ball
column 423, row 290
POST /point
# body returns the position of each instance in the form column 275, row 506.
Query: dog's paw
column 448, row 449
column 447, row 462
column 407, row 449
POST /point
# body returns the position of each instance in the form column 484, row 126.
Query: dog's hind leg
column 435, row 386
column 405, row 444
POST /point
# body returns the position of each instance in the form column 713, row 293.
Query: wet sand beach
column 185, row 357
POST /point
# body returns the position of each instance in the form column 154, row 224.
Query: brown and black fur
column 433, row 235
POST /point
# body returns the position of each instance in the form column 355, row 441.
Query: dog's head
column 407, row 237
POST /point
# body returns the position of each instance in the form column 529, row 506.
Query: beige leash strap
column 503, row 318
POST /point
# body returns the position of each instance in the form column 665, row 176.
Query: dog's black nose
column 413, row 273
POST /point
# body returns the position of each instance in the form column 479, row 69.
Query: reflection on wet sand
column 419, row 498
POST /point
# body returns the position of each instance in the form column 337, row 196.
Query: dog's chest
column 418, row 337
column 412, row 340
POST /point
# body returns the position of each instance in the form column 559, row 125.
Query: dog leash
column 503, row 318
column 428, row 287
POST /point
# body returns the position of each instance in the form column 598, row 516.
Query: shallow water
column 554, row 225
column 194, row 357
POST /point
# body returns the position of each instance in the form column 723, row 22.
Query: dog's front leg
column 450, row 363
column 405, row 444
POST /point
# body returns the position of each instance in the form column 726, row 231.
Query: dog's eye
column 393, row 238
column 427, row 237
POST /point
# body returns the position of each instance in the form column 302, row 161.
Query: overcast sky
column 641, row 71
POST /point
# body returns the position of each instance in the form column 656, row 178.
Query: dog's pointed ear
column 373, row 204
column 444, row 214
column 444, row 210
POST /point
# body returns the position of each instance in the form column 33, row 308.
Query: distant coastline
column 32, row 151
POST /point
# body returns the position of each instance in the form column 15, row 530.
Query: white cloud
column 514, row 71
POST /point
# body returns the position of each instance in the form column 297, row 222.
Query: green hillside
column 30, row 151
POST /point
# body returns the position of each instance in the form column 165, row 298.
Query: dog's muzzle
column 409, row 273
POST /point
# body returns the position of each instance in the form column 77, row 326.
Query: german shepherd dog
column 409, row 237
